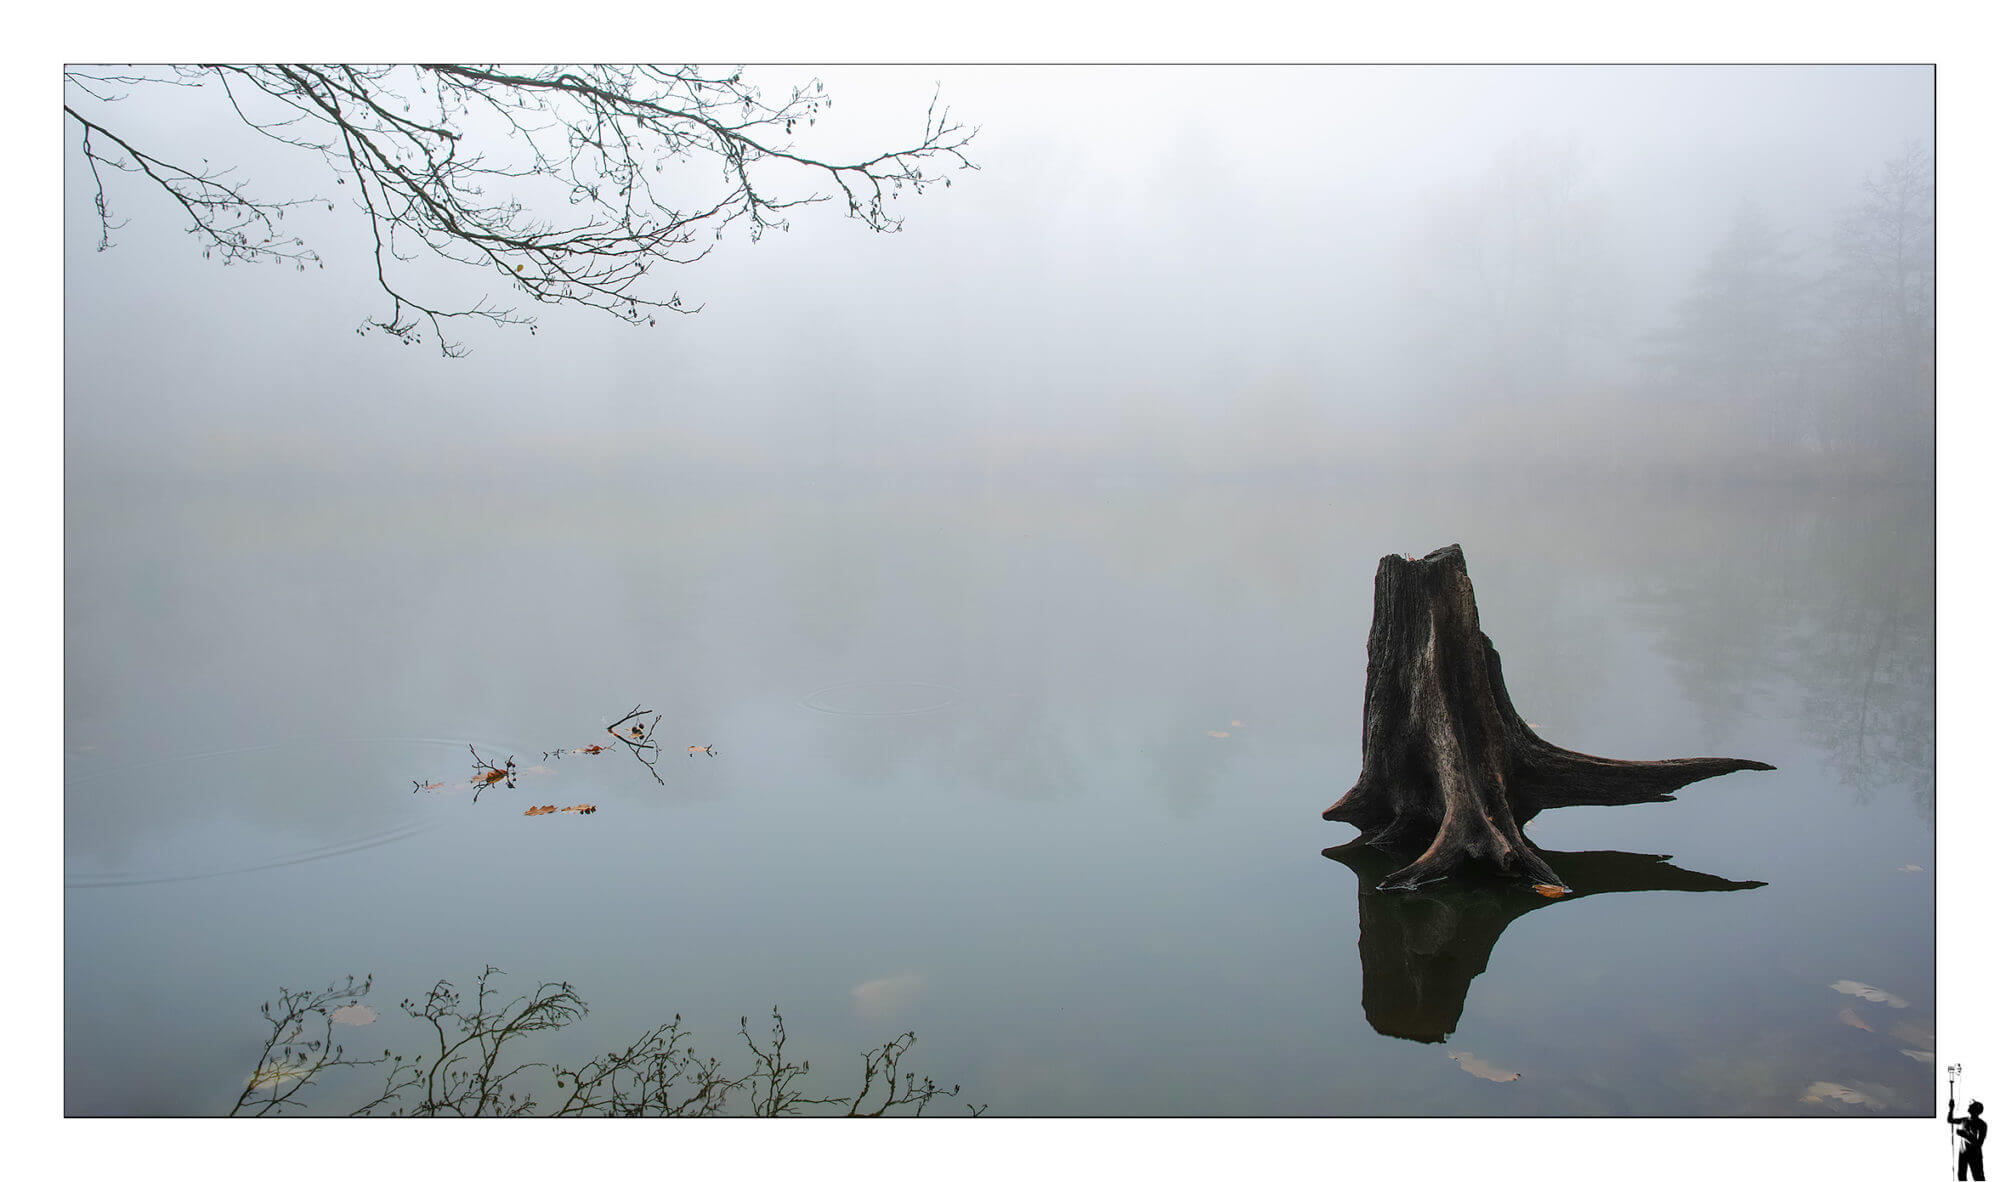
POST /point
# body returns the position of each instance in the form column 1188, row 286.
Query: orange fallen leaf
column 580, row 808
column 538, row 810
column 1549, row 890
column 593, row 749
column 494, row 776
column 1218, row 734
column 1849, row 1018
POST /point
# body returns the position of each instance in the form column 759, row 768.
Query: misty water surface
column 1034, row 771
column 1018, row 568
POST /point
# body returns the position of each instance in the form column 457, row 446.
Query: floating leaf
column 1849, row 1018
column 353, row 1014
column 593, row 749
column 1870, row 993
column 272, row 1075
column 1549, row 890
column 1821, row 1092
column 431, row 785
column 1237, row 723
column 493, row 776
column 1483, row 1069
column 1915, row 1035
column 580, row 808
column 539, row 810
column 1218, row 734
column 886, row 996
column 708, row 750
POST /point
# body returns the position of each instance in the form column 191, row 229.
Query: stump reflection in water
column 1420, row 951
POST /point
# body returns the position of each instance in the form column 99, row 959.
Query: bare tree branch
column 585, row 185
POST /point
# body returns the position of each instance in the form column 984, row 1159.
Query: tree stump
column 1447, row 766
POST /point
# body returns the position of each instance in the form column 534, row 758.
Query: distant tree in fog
column 1512, row 274
column 563, row 185
column 1737, row 338
column 1882, row 307
column 1834, row 357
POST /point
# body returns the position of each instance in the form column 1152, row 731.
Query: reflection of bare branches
column 485, row 774
column 635, row 730
column 771, row 1091
column 1870, row 705
column 655, row 1076
column 473, row 1070
column 1866, row 658
column 290, row 1061
column 1822, row 606
column 881, row 1064
column 466, row 1077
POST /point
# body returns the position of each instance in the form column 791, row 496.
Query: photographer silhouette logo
column 1968, row 1131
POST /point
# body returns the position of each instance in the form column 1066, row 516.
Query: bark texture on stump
column 1447, row 766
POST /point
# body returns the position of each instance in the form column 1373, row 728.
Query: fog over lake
column 1002, row 589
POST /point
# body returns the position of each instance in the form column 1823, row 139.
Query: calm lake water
column 1034, row 772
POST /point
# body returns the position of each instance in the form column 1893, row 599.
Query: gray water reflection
column 1421, row 950
column 1099, row 856
column 1829, row 607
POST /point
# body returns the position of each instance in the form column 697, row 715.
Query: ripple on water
column 197, row 816
column 880, row 699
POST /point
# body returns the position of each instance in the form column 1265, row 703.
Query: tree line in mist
column 1817, row 342
column 1791, row 351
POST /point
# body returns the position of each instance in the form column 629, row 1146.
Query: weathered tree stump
column 1447, row 766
